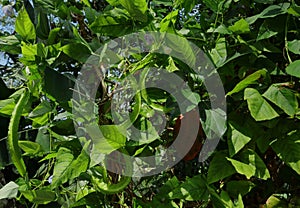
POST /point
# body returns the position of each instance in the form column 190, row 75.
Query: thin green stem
column 286, row 40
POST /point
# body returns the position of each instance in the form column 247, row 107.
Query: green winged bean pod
column 12, row 139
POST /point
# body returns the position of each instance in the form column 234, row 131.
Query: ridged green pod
column 12, row 138
column 112, row 188
column 107, row 188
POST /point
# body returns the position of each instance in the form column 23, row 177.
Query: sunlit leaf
column 30, row 148
column 283, row 98
column 238, row 139
column 24, row 26
column 240, row 27
column 9, row 191
column 251, row 79
column 64, row 159
column 136, row 8
column 250, row 164
column 259, row 108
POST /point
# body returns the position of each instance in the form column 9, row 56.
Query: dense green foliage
column 253, row 44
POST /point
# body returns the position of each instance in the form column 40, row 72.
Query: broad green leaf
column 171, row 67
column 10, row 44
column 115, row 23
column 77, row 51
column 9, row 191
column 146, row 134
column 30, row 148
column 222, row 29
column 215, row 123
column 87, row 3
column 61, row 92
column 43, row 25
column 191, row 100
column 221, row 201
column 238, row 139
column 113, row 2
column 283, row 98
column 167, row 24
column 29, row 52
column 64, row 159
column 294, row 9
column 80, row 164
column 24, row 26
column 43, row 139
column 259, row 108
column 265, row 32
column 40, row 114
column 106, row 138
column 219, row 168
column 53, row 35
column 294, row 46
column 235, row 56
column 168, row 187
column 163, row 192
column 239, row 203
column 293, row 69
column 287, row 149
column 191, row 190
column 226, row 199
column 251, row 79
column 43, row 108
column 39, row 196
column 269, row 12
column 136, row 8
column 141, row 64
column 234, row 188
column 180, row 48
column 7, row 106
column 214, row 5
column 243, row 168
column 240, row 27
column 188, row 5
column 250, row 164
column 219, row 53
column 81, row 39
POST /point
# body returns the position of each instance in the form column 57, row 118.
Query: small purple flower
column 50, row 179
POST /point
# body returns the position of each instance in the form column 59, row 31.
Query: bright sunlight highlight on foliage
column 150, row 103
